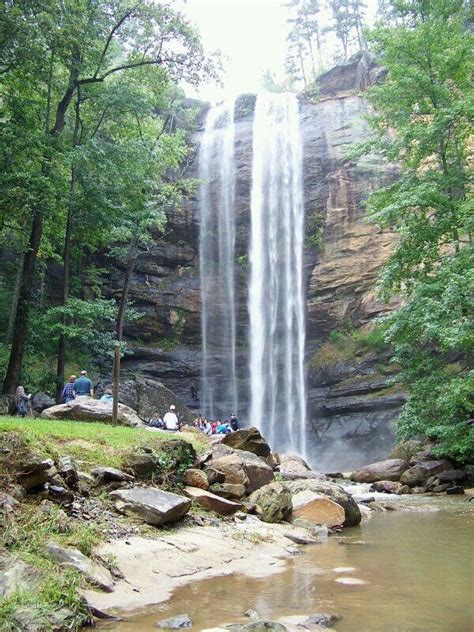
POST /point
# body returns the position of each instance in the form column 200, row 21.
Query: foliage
column 422, row 119
column 315, row 229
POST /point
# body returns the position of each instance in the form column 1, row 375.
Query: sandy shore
column 153, row 568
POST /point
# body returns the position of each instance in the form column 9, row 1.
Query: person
column 214, row 427
column 156, row 421
column 22, row 401
column 207, row 427
column 234, row 422
column 83, row 386
column 68, row 394
column 108, row 396
column 224, row 428
column 198, row 422
column 171, row 419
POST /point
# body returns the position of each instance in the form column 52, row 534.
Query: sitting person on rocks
column 207, row 427
column 108, row 396
column 83, row 386
column 68, row 394
column 171, row 419
column 198, row 423
column 156, row 421
column 214, row 425
column 224, row 428
column 22, row 402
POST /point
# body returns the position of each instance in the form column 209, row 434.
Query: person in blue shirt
column 83, row 386
column 108, row 396
column 68, row 394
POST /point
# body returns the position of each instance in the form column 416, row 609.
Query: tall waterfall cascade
column 218, row 389
column 276, row 301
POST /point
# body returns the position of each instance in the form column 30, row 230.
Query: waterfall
column 218, row 391
column 276, row 303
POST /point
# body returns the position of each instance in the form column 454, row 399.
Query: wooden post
column 116, row 384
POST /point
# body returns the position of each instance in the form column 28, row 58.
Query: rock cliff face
column 349, row 400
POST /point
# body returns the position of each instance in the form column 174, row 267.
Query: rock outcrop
column 88, row 409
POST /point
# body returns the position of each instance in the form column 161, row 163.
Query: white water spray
column 276, row 303
column 216, row 255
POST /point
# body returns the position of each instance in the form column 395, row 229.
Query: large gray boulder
column 40, row 401
column 422, row 471
column 273, row 502
column 151, row 504
column 388, row 470
column 249, row 440
column 88, row 409
column 71, row 557
column 147, row 396
column 243, row 468
column 330, row 490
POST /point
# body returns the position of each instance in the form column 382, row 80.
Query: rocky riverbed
column 124, row 517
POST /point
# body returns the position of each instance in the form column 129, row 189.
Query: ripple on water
column 351, row 581
column 344, row 569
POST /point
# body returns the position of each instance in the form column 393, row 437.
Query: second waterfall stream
column 273, row 385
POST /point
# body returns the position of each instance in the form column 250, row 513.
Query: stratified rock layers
column 343, row 256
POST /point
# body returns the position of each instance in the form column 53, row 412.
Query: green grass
column 89, row 443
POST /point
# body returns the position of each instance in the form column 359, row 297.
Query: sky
column 251, row 35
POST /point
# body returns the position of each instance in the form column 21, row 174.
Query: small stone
column 175, row 623
column 111, row 474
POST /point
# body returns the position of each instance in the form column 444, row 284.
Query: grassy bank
column 49, row 596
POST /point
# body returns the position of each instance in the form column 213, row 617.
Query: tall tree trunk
column 20, row 327
column 13, row 374
column 15, row 298
column 61, row 361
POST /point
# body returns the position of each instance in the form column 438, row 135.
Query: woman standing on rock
column 68, row 394
column 22, row 402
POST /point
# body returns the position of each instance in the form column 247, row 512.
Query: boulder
column 390, row 487
column 7, row 405
column 455, row 490
column 142, row 464
column 214, row 476
column 93, row 572
column 35, row 471
column 333, row 491
column 317, row 509
column 421, row 472
column 146, row 396
column 273, row 502
column 211, row 501
column 67, row 468
column 249, row 440
column 388, row 470
column 179, row 622
column 292, row 467
column 151, row 504
column 88, row 409
column 40, row 401
column 110, row 474
column 452, row 476
column 228, row 490
column 243, row 468
column 196, row 478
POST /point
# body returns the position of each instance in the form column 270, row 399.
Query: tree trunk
column 61, row 363
column 15, row 298
column 13, row 374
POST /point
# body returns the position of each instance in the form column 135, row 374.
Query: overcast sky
column 251, row 35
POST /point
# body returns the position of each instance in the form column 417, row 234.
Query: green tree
column 423, row 122
column 75, row 47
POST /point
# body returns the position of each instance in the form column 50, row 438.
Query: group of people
column 170, row 421
column 218, row 426
column 80, row 387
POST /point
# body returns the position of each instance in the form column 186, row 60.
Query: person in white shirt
column 171, row 420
